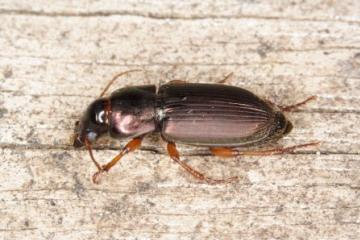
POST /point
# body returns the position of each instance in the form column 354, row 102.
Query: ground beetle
column 229, row 120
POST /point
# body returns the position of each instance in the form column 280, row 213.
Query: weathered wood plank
column 55, row 58
column 281, row 194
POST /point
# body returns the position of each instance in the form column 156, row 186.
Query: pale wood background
column 55, row 56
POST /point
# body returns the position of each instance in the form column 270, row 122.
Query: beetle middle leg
column 174, row 154
column 232, row 152
column 131, row 146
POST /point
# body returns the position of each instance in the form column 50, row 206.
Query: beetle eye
column 91, row 136
column 100, row 117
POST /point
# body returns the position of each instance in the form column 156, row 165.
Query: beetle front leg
column 174, row 154
column 231, row 152
column 131, row 146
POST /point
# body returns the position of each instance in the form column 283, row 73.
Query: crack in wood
column 165, row 16
column 154, row 150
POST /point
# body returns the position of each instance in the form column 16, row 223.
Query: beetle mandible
column 221, row 117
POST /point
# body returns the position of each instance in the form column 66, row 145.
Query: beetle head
column 92, row 124
column 283, row 125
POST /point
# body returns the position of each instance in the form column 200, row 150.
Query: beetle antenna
column 114, row 79
column 88, row 145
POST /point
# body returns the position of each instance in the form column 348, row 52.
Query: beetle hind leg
column 295, row 106
column 174, row 154
column 226, row 78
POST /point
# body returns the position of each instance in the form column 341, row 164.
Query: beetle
column 228, row 120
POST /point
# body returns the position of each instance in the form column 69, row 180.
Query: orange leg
column 176, row 81
column 230, row 152
column 174, row 154
column 88, row 145
column 294, row 106
column 226, row 78
column 131, row 146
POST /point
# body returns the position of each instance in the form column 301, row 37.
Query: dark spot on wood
column 7, row 72
column 198, row 227
column 98, row 43
column 143, row 186
column 27, row 223
column 61, row 155
column 150, row 203
column 357, row 58
column 3, row 111
column 19, row 138
column 35, row 97
column 78, row 187
column 321, row 42
column 116, row 207
column 64, row 34
column 263, row 49
column 52, row 202
column 60, row 220
column 324, row 31
column 279, row 208
column 194, row 5
column 29, row 135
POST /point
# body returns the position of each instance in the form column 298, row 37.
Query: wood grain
column 55, row 59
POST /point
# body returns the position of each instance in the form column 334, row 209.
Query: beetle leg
column 174, row 154
column 224, row 152
column 176, row 81
column 294, row 106
column 88, row 145
column 226, row 78
column 131, row 146
column 231, row 152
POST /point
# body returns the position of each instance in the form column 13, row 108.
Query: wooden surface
column 56, row 57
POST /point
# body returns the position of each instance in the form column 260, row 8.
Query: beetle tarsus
column 174, row 154
column 280, row 150
column 231, row 152
column 97, row 176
